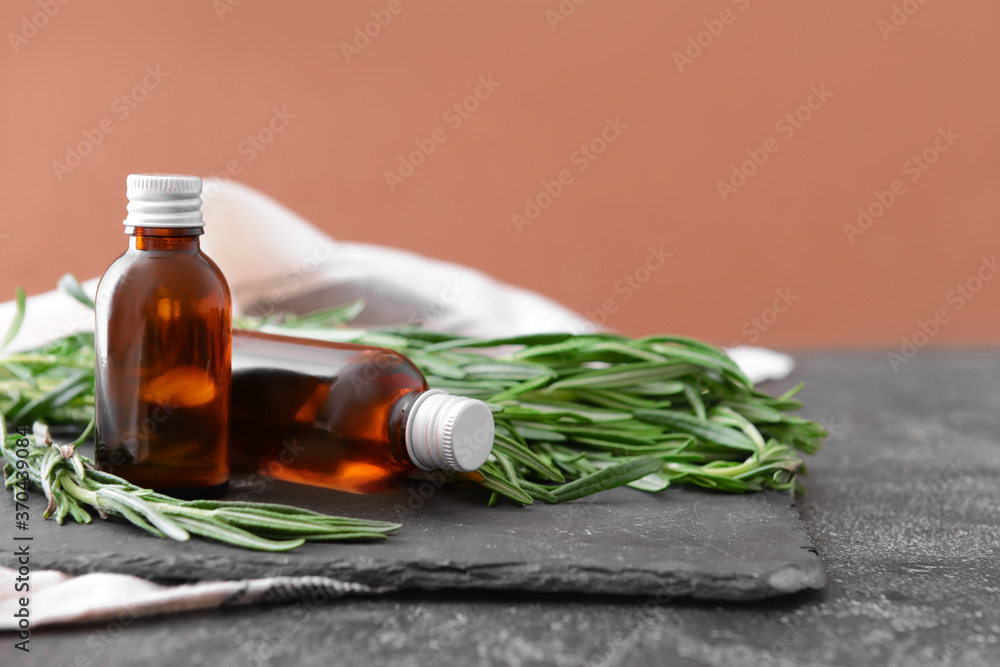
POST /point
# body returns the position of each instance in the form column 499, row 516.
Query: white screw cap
column 164, row 200
column 446, row 432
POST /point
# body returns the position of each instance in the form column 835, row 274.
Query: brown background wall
column 657, row 184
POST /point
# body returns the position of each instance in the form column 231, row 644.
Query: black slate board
column 681, row 542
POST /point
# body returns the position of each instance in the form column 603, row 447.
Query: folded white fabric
column 57, row 598
column 276, row 261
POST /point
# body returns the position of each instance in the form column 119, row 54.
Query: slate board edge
column 436, row 576
column 799, row 570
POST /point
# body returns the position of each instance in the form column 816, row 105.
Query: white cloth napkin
column 57, row 598
column 276, row 261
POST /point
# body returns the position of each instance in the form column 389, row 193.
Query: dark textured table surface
column 902, row 505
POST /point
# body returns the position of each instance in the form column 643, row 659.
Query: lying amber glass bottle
column 163, row 347
column 344, row 416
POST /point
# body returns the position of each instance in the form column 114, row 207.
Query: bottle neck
column 165, row 238
column 399, row 416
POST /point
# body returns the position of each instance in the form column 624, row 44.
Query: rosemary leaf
column 610, row 477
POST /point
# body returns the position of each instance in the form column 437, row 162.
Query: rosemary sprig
column 72, row 484
column 568, row 408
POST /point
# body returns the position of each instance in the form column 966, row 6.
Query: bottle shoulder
column 146, row 272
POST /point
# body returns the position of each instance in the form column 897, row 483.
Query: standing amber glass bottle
column 163, row 339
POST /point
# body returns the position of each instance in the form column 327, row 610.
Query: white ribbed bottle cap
column 164, row 200
column 446, row 432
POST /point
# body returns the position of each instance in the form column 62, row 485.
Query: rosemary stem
column 78, row 492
